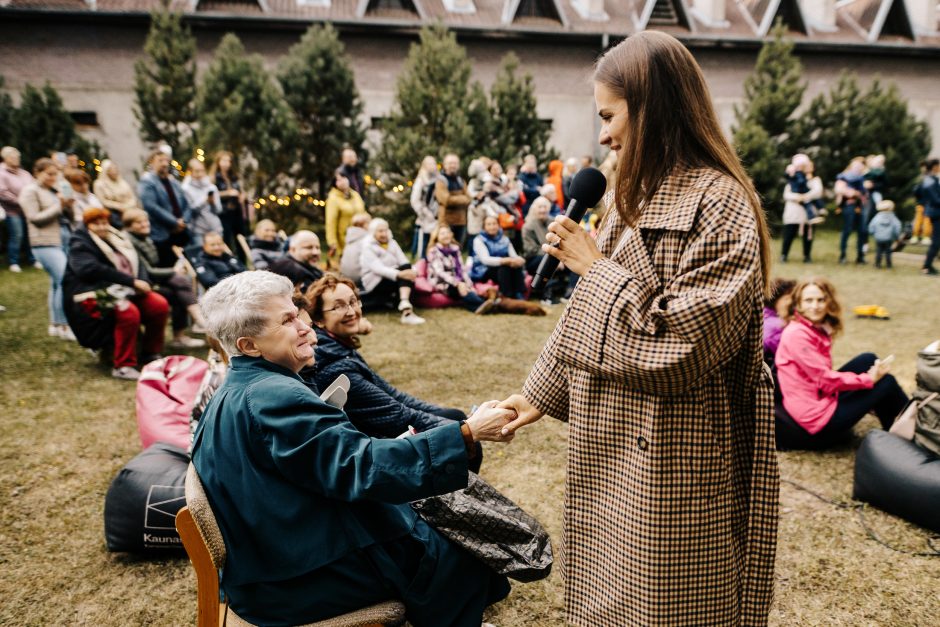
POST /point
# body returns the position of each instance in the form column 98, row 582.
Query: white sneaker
column 187, row 342
column 66, row 334
column 38, row 265
column 126, row 372
column 53, row 331
column 2, row 308
column 14, row 267
column 410, row 317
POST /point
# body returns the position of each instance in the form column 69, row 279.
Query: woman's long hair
column 833, row 307
column 671, row 123
column 232, row 174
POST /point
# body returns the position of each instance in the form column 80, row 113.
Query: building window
column 85, row 118
column 538, row 8
column 387, row 6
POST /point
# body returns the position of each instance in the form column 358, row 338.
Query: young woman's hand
column 570, row 244
column 879, row 369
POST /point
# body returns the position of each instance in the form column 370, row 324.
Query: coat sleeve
column 332, row 221
column 31, row 204
column 442, row 195
column 378, row 408
column 371, row 262
column 664, row 340
column 204, row 272
column 148, row 200
column 315, row 446
column 799, row 350
column 85, row 263
column 547, row 385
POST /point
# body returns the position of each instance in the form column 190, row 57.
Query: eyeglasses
column 342, row 307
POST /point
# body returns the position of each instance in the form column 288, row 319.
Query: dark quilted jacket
column 374, row 406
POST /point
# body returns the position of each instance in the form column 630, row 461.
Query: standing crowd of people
column 865, row 212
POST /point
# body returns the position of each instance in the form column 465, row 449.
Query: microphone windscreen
column 587, row 187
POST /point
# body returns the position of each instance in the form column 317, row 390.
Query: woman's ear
column 247, row 346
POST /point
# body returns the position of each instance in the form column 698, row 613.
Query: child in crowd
column 266, row 246
column 799, row 184
column 213, row 263
column 886, row 229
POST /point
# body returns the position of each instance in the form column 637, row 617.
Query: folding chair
column 202, row 539
column 243, row 243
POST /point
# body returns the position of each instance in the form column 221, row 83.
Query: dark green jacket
column 294, row 486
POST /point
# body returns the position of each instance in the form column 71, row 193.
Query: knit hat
column 885, row 205
column 95, row 213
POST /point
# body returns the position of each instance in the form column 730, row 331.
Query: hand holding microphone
column 566, row 241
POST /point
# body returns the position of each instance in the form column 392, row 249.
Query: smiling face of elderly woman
column 285, row 339
column 252, row 314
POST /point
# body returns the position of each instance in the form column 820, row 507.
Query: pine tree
column 893, row 131
column 165, row 84
column 318, row 84
column 7, row 114
column 42, row 124
column 429, row 116
column 828, row 129
column 241, row 109
column 516, row 129
column 773, row 92
column 848, row 123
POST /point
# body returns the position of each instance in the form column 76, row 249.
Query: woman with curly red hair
column 825, row 403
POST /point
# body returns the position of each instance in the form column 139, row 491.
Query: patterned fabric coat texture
column 672, row 488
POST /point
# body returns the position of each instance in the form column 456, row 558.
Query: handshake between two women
column 498, row 421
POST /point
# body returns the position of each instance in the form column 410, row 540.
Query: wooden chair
column 243, row 243
column 202, row 539
column 188, row 266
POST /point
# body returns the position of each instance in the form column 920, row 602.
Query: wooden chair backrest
column 245, row 249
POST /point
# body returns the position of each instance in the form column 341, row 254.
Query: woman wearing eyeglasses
column 375, row 407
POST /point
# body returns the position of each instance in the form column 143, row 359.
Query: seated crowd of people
column 121, row 258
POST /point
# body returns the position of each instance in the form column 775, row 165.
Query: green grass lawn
column 67, row 428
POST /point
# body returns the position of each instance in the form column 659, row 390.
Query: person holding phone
column 825, row 403
column 203, row 197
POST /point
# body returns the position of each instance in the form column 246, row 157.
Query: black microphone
column 587, row 187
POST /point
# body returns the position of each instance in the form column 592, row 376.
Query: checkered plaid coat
column 672, row 485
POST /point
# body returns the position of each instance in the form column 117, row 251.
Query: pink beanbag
column 165, row 394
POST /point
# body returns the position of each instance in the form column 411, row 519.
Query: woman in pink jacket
column 825, row 403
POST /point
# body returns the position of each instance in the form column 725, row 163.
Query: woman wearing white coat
column 386, row 273
column 794, row 212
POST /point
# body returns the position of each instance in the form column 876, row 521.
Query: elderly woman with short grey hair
column 314, row 513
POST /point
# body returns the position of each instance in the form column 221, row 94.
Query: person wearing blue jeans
column 16, row 239
column 929, row 191
column 42, row 208
column 53, row 261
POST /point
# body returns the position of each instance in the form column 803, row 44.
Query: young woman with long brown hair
column 672, row 484
column 825, row 403
column 225, row 176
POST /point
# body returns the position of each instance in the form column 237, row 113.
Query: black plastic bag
column 495, row 530
column 143, row 500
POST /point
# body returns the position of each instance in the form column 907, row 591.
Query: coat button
column 642, row 443
column 449, row 469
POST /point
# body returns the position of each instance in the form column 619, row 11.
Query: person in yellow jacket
column 342, row 203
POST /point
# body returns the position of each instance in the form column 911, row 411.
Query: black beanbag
column 899, row 477
column 143, row 500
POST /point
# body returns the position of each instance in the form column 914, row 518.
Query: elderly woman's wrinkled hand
column 487, row 422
